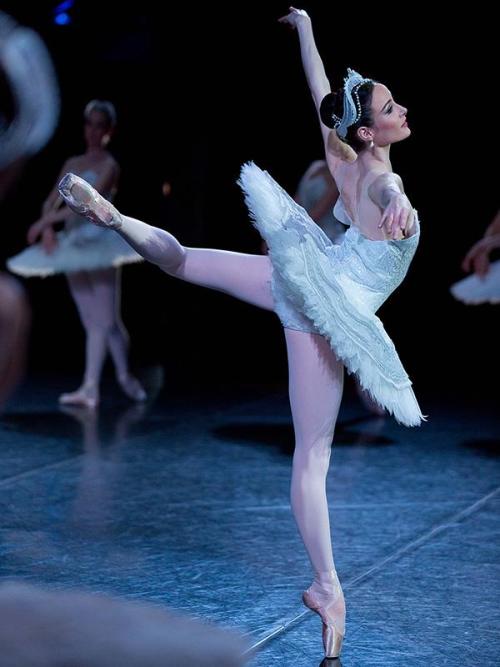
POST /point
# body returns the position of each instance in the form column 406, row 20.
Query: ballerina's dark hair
column 333, row 104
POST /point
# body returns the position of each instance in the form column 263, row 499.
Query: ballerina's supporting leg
column 316, row 384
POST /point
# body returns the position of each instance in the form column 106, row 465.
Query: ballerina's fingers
column 398, row 225
column 386, row 222
column 405, row 221
column 293, row 17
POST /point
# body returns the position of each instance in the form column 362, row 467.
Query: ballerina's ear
column 339, row 148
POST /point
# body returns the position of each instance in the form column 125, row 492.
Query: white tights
column 97, row 297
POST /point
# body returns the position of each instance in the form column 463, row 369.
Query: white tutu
column 83, row 248
column 474, row 290
column 336, row 289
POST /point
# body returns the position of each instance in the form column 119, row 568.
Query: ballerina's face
column 389, row 118
column 97, row 129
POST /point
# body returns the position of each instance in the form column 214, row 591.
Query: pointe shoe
column 83, row 199
column 83, row 397
column 331, row 609
column 132, row 388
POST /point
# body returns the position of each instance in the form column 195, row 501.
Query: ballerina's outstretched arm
column 317, row 80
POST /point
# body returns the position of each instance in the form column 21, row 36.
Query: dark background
column 201, row 89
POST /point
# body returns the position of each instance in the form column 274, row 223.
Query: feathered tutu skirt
column 334, row 290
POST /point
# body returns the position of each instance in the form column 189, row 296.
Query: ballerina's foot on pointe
column 83, row 199
column 326, row 598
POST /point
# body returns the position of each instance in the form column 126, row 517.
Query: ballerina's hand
column 295, row 17
column 398, row 217
column 478, row 257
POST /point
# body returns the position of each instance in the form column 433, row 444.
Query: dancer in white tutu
column 326, row 295
column 90, row 258
column 483, row 286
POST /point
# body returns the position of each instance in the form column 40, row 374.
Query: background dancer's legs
column 97, row 296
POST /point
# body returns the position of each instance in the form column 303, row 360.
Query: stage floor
column 185, row 503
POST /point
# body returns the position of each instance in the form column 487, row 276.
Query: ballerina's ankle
column 326, row 582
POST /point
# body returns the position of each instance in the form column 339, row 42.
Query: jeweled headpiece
column 352, row 105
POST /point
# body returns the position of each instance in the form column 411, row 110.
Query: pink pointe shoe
column 327, row 600
column 83, row 199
